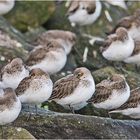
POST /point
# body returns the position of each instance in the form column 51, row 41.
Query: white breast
column 50, row 65
column 8, row 116
column 81, row 16
column 80, row 94
column 14, row 80
column 132, row 112
column 135, row 32
column 118, row 51
column 6, row 7
column 38, row 92
column 133, row 59
column 116, row 99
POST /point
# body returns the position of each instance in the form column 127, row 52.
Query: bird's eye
column 79, row 75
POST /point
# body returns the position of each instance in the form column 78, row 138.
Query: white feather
column 6, row 6
column 118, row 50
column 81, row 17
column 80, row 94
column 51, row 65
column 115, row 100
column 132, row 112
column 38, row 94
column 9, row 115
column 13, row 80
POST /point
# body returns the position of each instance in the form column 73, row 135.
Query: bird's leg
column 29, row 116
column 72, row 109
column 36, row 111
column 119, row 66
column 2, row 133
column 137, row 67
column 109, row 115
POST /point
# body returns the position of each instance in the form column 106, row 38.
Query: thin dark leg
column 29, row 116
column 109, row 115
column 137, row 68
column 36, row 111
column 2, row 133
column 72, row 110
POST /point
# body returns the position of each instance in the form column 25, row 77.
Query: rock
column 10, row 132
column 12, row 43
column 31, row 14
column 63, row 126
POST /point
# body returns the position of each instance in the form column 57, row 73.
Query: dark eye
column 79, row 74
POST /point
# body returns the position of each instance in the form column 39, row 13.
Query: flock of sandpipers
column 30, row 82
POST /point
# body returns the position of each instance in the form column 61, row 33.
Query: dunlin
column 51, row 57
column 36, row 88
column 84, row 12
column 132, row 106
column 111, row 93
column 10, row 106
column 118, row 46
column 74, row 89
column 135, row 56
column 131, row 23
column 66, row 38
column 13, row 73
column 6, row 6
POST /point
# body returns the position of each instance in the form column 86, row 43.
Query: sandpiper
column 131, row 23
column 66, row 38
column 111, row 93
column 36, row 88
column 51, row 57
column 6, row 6
column 74, row 89
column 118, row 46
column 135, row 56
column 119, row 3
column 132, row 106
column 10, row 106
column 13, row 73
column 84, row 12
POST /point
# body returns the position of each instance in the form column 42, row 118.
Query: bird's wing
column 74, row 5
column 64, row 87
column 101, row 94
column 133, row 101
column 23, row 85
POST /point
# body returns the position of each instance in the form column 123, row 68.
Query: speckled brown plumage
column 56, row 34
column 8, row 99
column 120, row 35
column 137, row 48
column 104, row 89
column 38, row 54
column 26, row 82
column 133, row 101
column 67, row 85
column 64, row 87
column 128, row 22
column 89, row 5
column 14, row 66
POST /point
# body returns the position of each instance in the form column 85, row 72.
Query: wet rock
column 31, row 14
column 59, row 125
column 12, row 43
column 10, row 132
